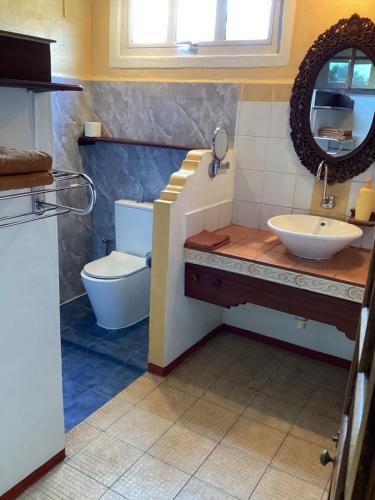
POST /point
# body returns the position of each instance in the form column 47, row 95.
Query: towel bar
column 42, row 209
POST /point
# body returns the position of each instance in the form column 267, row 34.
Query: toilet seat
column 114, row 266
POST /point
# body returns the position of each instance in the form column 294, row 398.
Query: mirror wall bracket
column 219, row 152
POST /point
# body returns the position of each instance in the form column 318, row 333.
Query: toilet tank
column 133, row 226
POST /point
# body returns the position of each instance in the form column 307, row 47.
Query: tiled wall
column 270, row 179
column 177, row 113
column 121, row 171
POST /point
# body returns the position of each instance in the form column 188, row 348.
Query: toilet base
column 119, row 303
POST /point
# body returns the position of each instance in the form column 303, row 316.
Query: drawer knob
column 216, row 282
column 325, row 458
column 194, row 278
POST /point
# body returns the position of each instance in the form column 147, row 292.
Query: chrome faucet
column 326, row 201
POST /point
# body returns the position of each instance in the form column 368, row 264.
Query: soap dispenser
column 365, row 201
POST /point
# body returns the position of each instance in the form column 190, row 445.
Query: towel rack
column 42, row 209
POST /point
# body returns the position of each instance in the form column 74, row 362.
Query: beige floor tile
column 278, row 485
column 229, row 395
column 286, row 386
column 301, row 459
column 182, row 448
column 140, row 388
column 109, row 413
column 65, row 482
column 111, row 495
column 334, row 378
column 253, row 374
column 326, row 402
column 208, row 420
column 105, row 459
column 271, row 356
column 228, row 344
column 79, row 437
column 272, row 411
column 151, row 478
column 255, row 437
column 315, row 428
column 194, row 382
column 197, row 489
column 214, row 363
column 167, row 403
column 139, row 427
column 304, row 368
column 233, row 470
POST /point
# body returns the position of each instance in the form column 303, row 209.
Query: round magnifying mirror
column 343, row 102
column 220, row 143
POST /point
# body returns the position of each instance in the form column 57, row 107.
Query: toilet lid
column 116, row 265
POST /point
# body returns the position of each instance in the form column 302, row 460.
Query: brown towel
column 19, row 161
column 22, row 181
column 206, row 241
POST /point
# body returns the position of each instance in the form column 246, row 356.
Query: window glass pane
column 149, row 21
column 363, row 73
column 338, row 72
column 196, row 20
column 248, row 19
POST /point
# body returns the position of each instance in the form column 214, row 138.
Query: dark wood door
column 354, row 465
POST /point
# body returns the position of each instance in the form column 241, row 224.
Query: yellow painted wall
column 312, row 17
column 71, row 55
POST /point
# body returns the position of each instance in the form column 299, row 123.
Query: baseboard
column 162, row 371
column 281, row 344
column 33, row 477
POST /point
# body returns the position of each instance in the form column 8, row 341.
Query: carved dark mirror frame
column 356, row 32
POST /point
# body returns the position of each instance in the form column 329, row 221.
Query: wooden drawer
column 229, row 289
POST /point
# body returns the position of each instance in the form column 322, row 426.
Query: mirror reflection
column 220, row 143
column 343, row 102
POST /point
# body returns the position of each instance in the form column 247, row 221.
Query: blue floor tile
column 111, row 350
column 113, row 385
column 138, row 359
column 97, row 363
column 81, row 407
column 72, row 389
column 77, row 338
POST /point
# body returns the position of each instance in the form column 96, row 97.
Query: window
column 211, row 33
column 351, row 69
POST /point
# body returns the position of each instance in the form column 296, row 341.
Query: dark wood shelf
column 353, row 220
column 39, row 86
column 90, row 141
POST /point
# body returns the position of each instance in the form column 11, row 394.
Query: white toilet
column 118, row 285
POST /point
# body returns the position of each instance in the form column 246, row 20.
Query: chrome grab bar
column 42, row 209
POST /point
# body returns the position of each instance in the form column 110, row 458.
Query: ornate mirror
column 332, row 109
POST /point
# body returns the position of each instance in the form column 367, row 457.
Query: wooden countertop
column 349, row 266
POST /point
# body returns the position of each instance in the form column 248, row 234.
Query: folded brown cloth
column 23, row 161
column 206, row 240
column 22, row 181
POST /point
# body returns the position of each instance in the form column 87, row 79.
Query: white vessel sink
column 313, row 237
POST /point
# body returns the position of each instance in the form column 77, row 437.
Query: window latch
column 188, row 47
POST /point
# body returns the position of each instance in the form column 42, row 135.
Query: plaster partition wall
column 271, row 181
column 31, row 410
column 192, row 201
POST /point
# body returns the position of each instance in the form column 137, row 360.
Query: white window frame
column 274, row 51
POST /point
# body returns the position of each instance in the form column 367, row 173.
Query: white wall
column 204, row 203
column 271, row 181
column 282, row 326
column 31, row 412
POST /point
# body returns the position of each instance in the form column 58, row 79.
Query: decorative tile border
column 276, row 275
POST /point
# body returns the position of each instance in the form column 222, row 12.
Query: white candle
column 93, row 129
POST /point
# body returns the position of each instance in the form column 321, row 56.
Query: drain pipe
column 301, row 322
